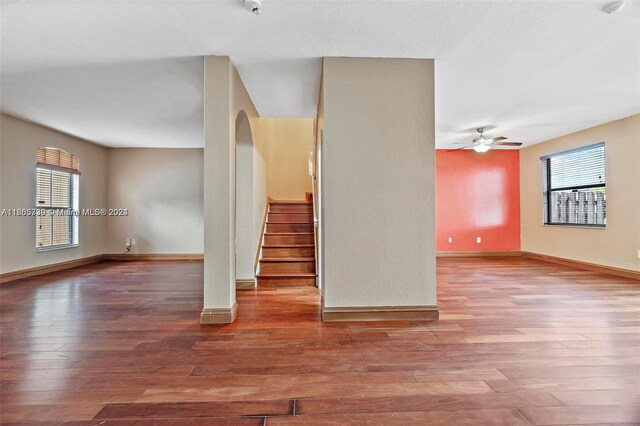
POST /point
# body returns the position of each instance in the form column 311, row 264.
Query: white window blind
column 574, row 185
column 56, row 199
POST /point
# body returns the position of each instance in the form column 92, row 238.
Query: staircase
column 288, row 250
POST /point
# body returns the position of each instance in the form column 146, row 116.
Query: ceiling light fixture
column 253, row 6
column 613, row 7
column 481, row 147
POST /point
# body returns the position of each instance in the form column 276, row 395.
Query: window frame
column 547, row 184
column 72, row 210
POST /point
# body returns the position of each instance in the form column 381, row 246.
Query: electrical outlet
column 638, row 254
column 478, row 240
column 133, row 241
column 130, row 242
column 450, row 239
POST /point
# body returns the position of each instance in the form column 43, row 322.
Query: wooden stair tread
column 287, row 233
column 288, row 245
column 286, row 274
column 288, row 259
column 299, row 213
column 289, row 223
column 295, row 203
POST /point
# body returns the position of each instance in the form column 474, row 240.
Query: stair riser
column 287, row 267
column 288, row 217
column 286, row 282
column 291, row 208
column 288, row 252
column 288, row 239
column 289, row 227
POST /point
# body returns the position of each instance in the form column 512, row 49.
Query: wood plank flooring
column 519, row 342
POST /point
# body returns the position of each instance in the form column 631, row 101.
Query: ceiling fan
column 481, row 143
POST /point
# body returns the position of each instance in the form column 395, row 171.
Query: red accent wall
column 477, row 195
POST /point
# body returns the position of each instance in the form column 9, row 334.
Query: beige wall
column 318, row 189
column 19, row 141
column 225, row 96
column 291, row 141
column 378, row 182
column 261, row 136
column 618, row 244
column 162, row 190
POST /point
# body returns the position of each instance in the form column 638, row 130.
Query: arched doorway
column 245, row 250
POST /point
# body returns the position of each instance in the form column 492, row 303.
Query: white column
column 219, row 194
column 379, row 189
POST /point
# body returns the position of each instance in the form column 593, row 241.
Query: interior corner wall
column 617, row 245
column 291, row 141
column 477, row 195
column 162, row 190
column 19, row 141
column 378, row 182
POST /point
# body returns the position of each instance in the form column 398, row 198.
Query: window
column 57, row 179
column 574, row 187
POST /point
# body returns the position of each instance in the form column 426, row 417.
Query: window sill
column 568, row 225
column 60, row 247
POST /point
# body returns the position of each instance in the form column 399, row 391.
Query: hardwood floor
column 519, row 341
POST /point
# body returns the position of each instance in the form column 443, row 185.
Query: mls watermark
column 53, row 211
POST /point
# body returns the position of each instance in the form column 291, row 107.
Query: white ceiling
column 130, row 73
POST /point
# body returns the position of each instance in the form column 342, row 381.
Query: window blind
column 574, row 186
column 577, row 168
column 57, row 192
column 57, row 158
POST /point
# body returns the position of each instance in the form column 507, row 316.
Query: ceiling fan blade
column 508, row 143
column 494, row 140
column 458, row 149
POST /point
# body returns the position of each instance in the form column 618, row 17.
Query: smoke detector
column 613, row 7
column 253, row 6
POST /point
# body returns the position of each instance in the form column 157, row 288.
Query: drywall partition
column 245, row 248
column 261, row 137
column 162, row 190
column 477, row 195
column 19, row 141
column 291, row 143
column 617, row 245
column 225, row 97
column 219, row 193
column 378, row 182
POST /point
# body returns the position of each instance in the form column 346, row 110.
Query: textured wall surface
column 378, row 182
column 19, row 142
column 618, row 244
column 163, row 191
column 477, row 195
column 289, row 148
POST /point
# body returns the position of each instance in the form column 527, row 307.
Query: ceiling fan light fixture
column 481, row 148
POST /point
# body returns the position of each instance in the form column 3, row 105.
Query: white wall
column 225, row 97
column 163, row 192
column 260, row 137
column 19, row 141
column 245, row 249
column 618, row 244
column 378, row 182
